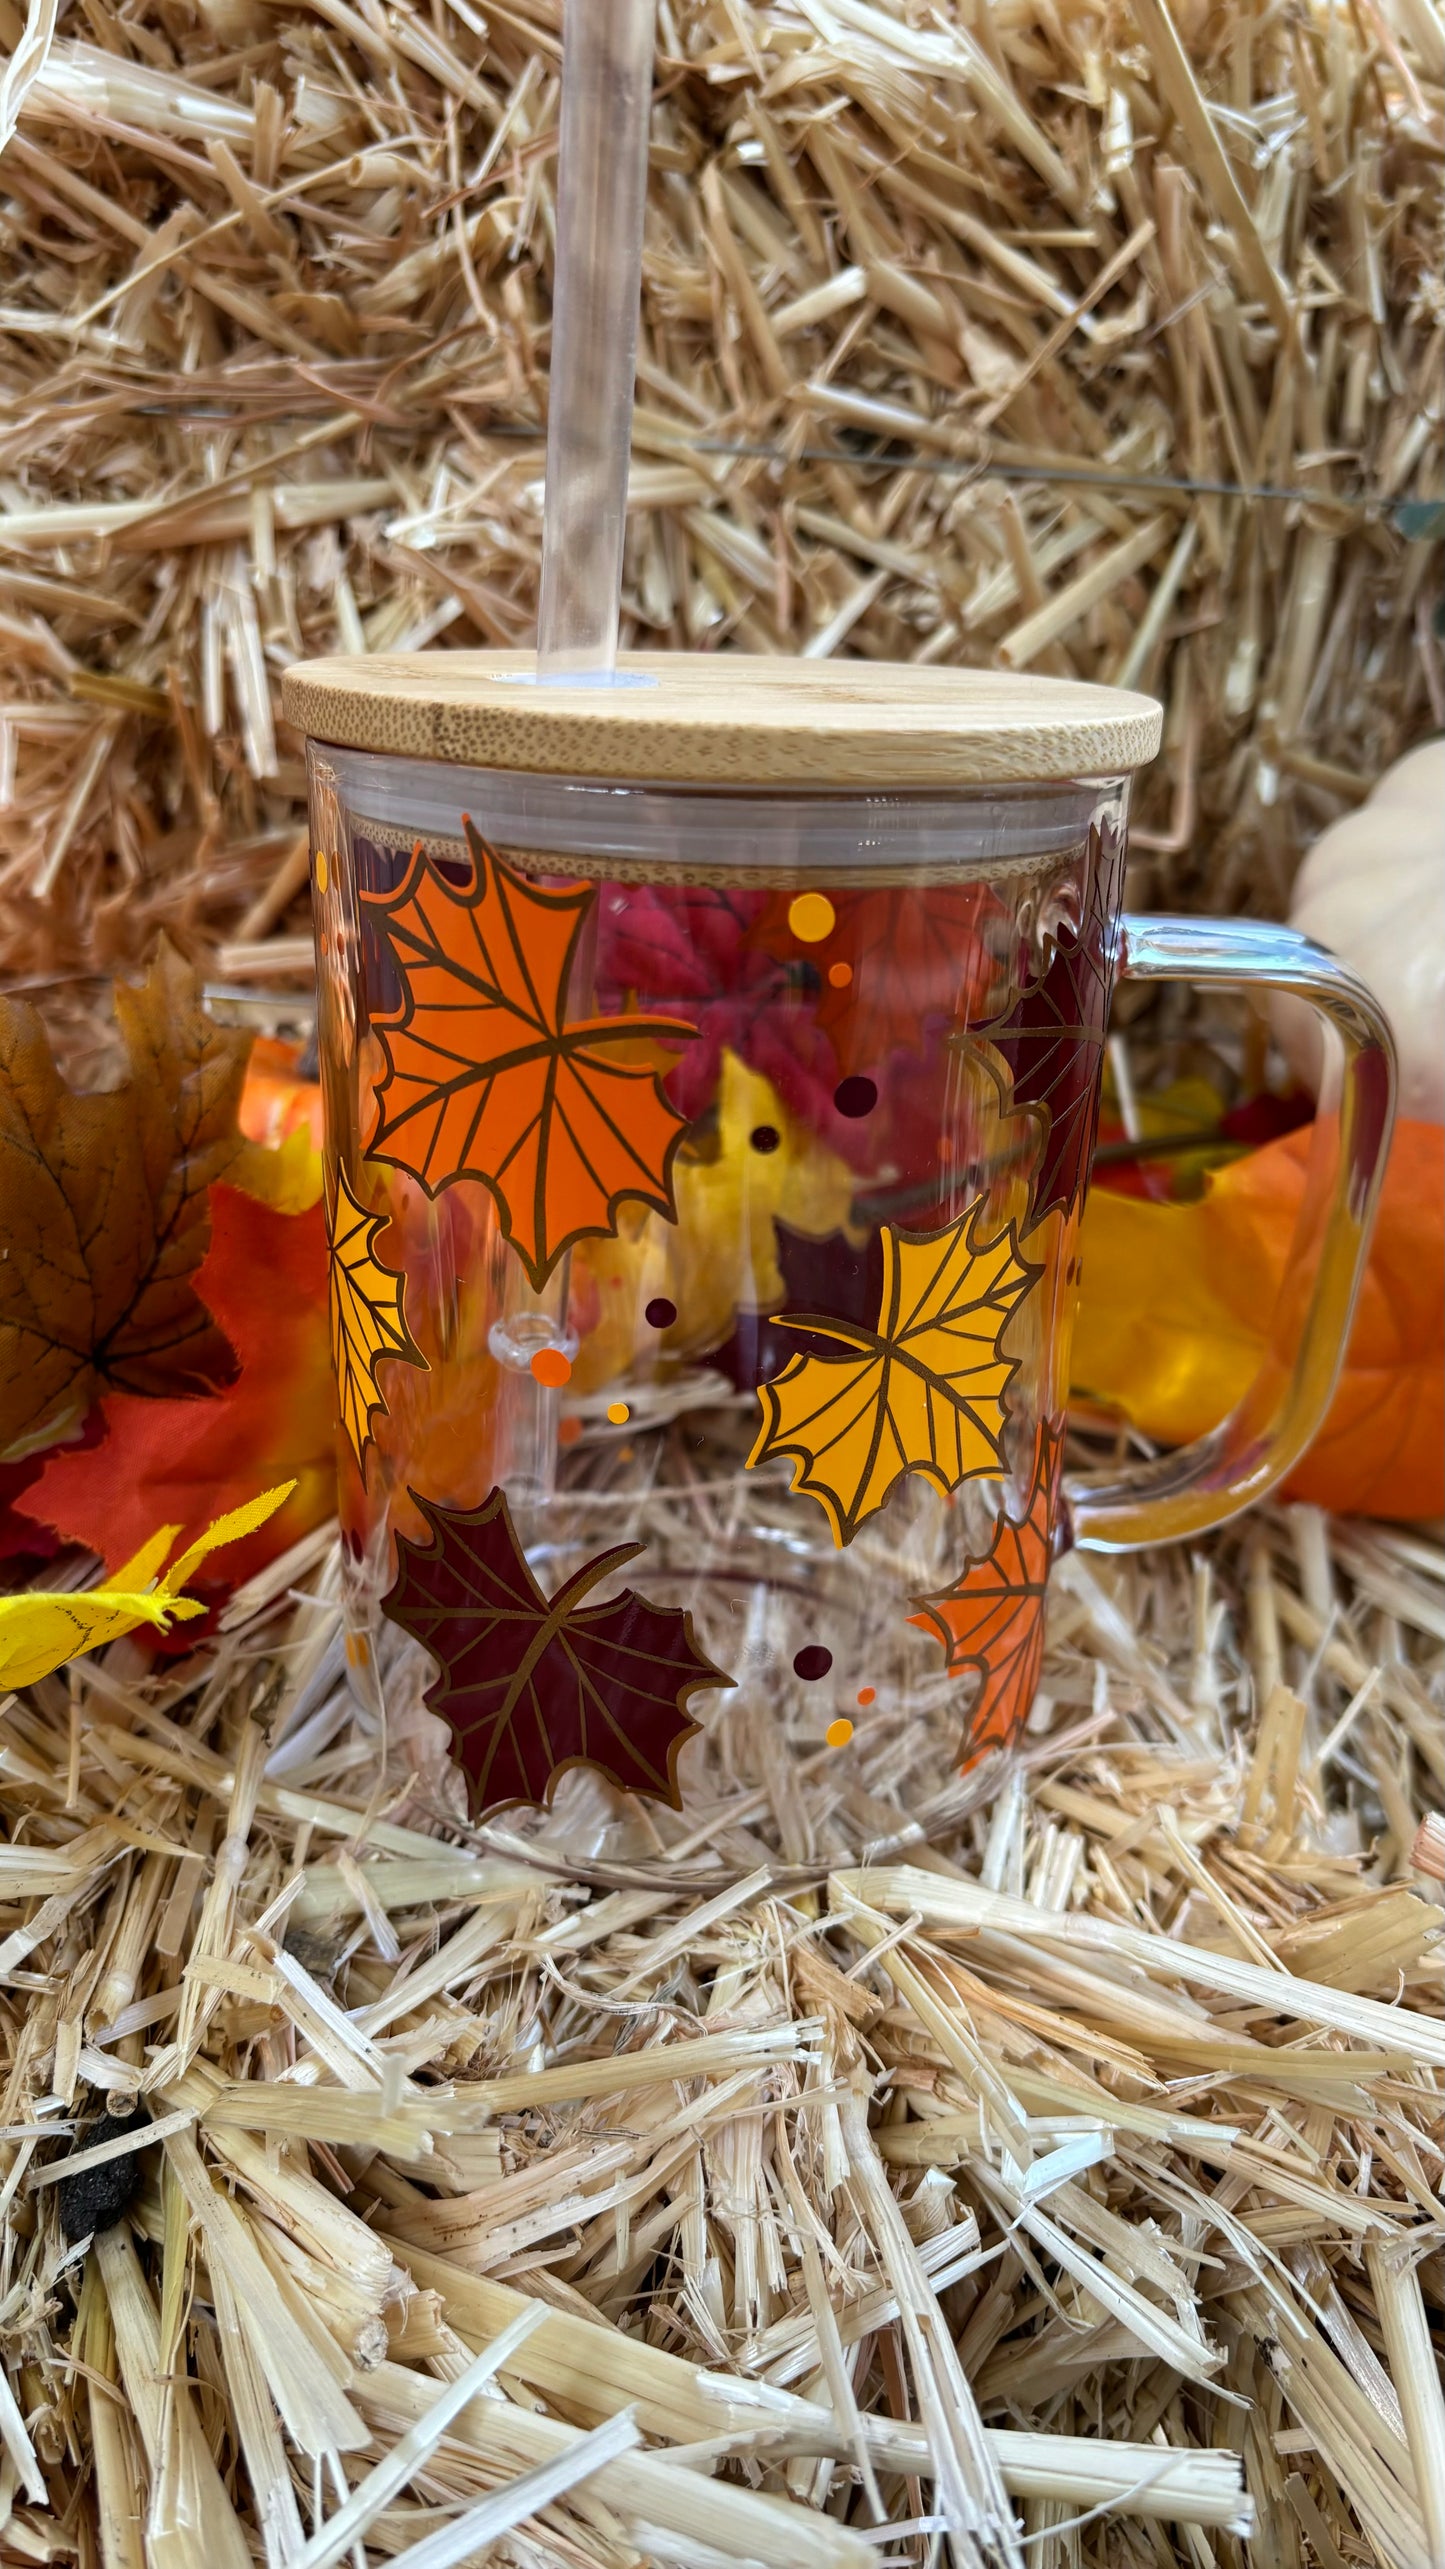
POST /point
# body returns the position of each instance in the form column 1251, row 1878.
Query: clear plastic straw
column 607, row 49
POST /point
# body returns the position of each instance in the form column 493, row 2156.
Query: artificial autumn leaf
column 717, row 1263
column 921, row 1391
column 913, row 955
column 695, row 949
column 282, row 1114
column 488, row 1078
column 264, row 1279
column 103, row 1209
column 368, row 1322
column 1051, row 1040
column 532, row 1685
column 1177, row 1310
column 42, row 1629
column 992, row 1618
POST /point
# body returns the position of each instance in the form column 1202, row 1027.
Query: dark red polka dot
column 812, row 1661
column 856, row 1096
column 660, row 1313
column 765, row 1137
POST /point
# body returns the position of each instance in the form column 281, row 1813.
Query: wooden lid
column 727, row 718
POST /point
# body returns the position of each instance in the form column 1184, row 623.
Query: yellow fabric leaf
column 229, row 1528
column 720, row 1256
column 921, row 1392
column 39, row 1632
column 1181, row 1303
column 142, row 1566
column 1155, row 1335
column 288, row 1177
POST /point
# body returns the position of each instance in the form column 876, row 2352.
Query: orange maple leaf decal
column 486, row 1076
column 368, row 1316
column 992, row 1618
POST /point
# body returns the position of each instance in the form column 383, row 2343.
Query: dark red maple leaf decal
column 532, row 1684
column 830, row 1275
column 1051, row 1039
column 916, row 955
column 992, row 1618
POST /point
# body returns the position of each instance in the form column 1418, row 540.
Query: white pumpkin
column 1372, row 889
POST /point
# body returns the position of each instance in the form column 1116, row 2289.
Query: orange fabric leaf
column 488, row 1078
column 185, row 1461
column 992, row 1618
column 1176, row 1308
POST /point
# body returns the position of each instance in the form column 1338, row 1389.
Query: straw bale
column 861, row 2162
column 963, row 330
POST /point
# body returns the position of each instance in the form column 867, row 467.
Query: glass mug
column 712, row 1067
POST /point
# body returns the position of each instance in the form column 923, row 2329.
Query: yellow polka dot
column 618, row 1412
column 812, row 917
column 323, row 871
column 839, row 1733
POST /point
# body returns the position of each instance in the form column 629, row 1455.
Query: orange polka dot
column 551, row 1368
column 568, row 1430
column 618, row 1413
column 866, row 1695
column 839, row 1733
column 812, row 917
column 840, row 974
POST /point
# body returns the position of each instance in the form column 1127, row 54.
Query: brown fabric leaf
column 103, row 1210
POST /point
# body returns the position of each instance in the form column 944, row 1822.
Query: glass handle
column 1185, row 1492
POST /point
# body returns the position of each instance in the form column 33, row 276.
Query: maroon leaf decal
column 1052, row 1037
column 992, row 1618
column 831, row 1275
column 531, row 1684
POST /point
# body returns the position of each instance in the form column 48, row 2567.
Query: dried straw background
column 901, row 2152
column 985, row 283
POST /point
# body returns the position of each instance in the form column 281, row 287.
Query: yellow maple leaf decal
column 922, row 1392
column 368, row 1322
column 41, row 1630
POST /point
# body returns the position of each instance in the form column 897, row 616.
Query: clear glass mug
column 705, row 1166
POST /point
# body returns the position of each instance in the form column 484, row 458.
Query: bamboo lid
column 727, row 719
